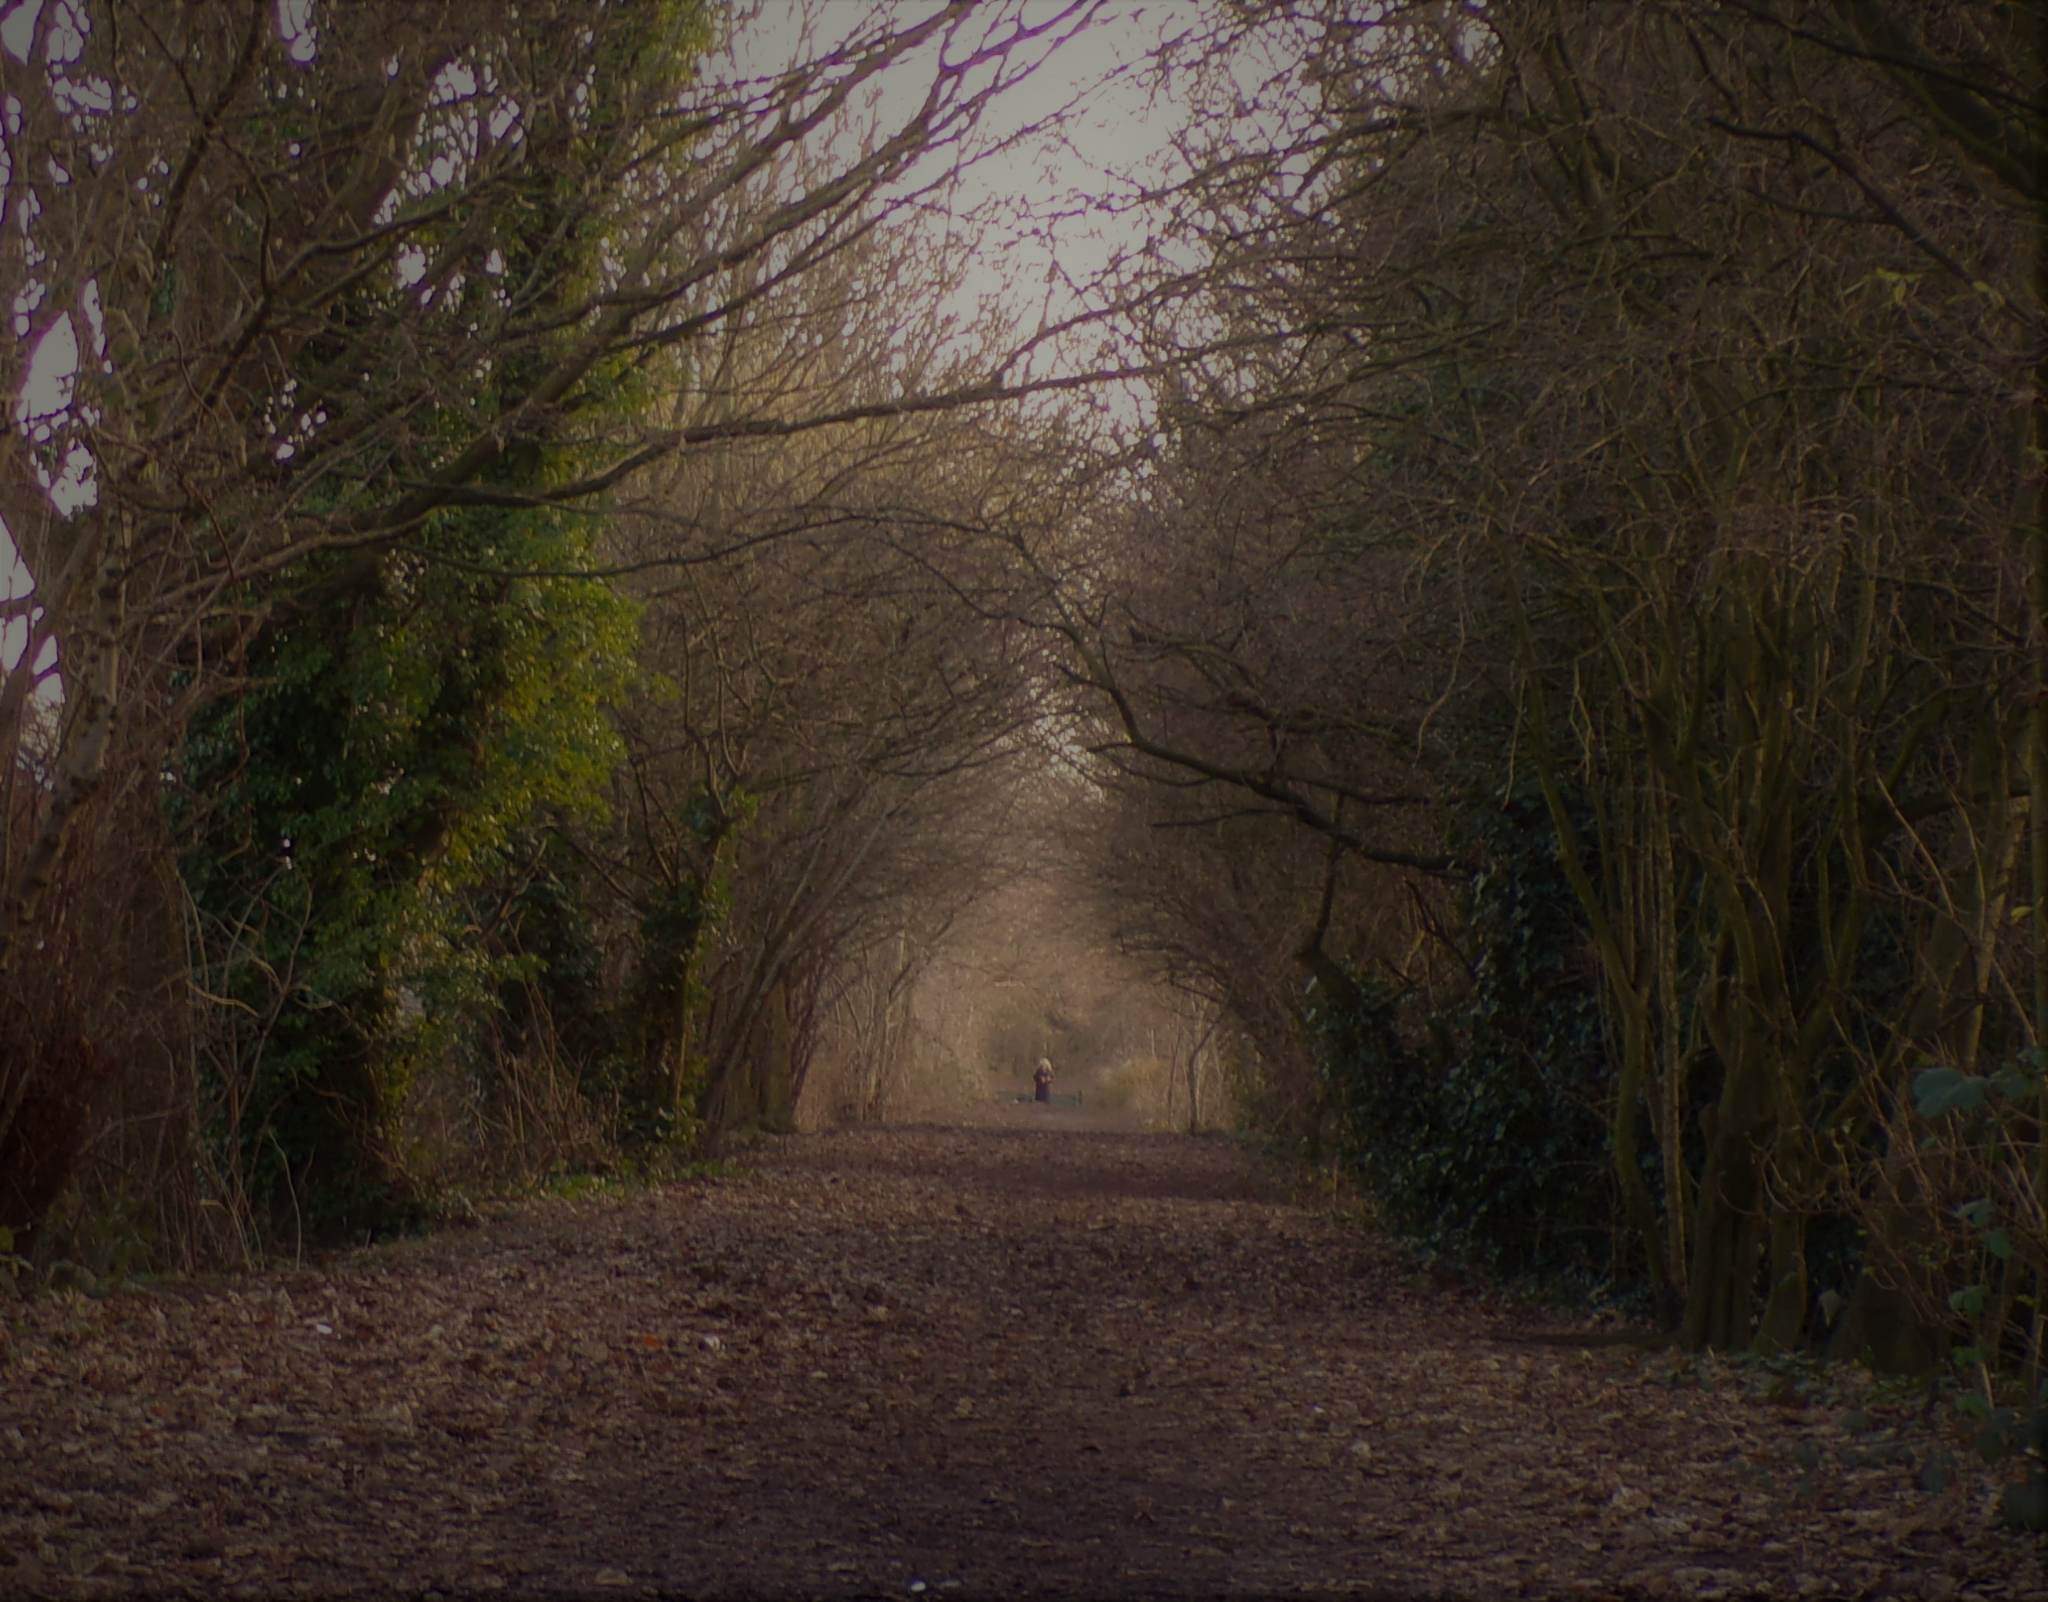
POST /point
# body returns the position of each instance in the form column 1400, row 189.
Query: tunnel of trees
column 1500, row 642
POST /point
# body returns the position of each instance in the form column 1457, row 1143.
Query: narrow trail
column 1023, row 1359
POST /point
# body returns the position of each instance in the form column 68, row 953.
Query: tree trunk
column 1721, row 1280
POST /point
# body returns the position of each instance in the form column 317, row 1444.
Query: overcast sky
column 1037, row 201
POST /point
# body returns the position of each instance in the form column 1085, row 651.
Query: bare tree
column 328, row 286
column 1624, row 396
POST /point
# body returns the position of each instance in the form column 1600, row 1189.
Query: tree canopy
column 1511, row 605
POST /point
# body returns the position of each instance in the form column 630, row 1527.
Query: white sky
column 1035, row 204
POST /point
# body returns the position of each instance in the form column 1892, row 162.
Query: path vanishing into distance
column 1024, row 1358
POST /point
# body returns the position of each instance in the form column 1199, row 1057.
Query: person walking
column 1042, row 1080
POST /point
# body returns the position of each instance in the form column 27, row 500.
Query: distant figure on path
column 1043, row 1079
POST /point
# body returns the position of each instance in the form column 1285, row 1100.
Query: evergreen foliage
column 1480, row 1128
column 355, row 818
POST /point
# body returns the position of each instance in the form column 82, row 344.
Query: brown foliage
column 972, row 1359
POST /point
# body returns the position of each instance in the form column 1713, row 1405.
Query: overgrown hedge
column 1479, row 1129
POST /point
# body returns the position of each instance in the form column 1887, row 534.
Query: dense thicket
column 441, row 742
column 1631, row 410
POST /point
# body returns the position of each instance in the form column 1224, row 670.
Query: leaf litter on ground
column 1023, row 1358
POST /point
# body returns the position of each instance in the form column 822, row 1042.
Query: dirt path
column 1025, row 1359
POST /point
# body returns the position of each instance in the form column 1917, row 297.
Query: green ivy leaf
column 2014, row 1082
column 1944, row 1090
